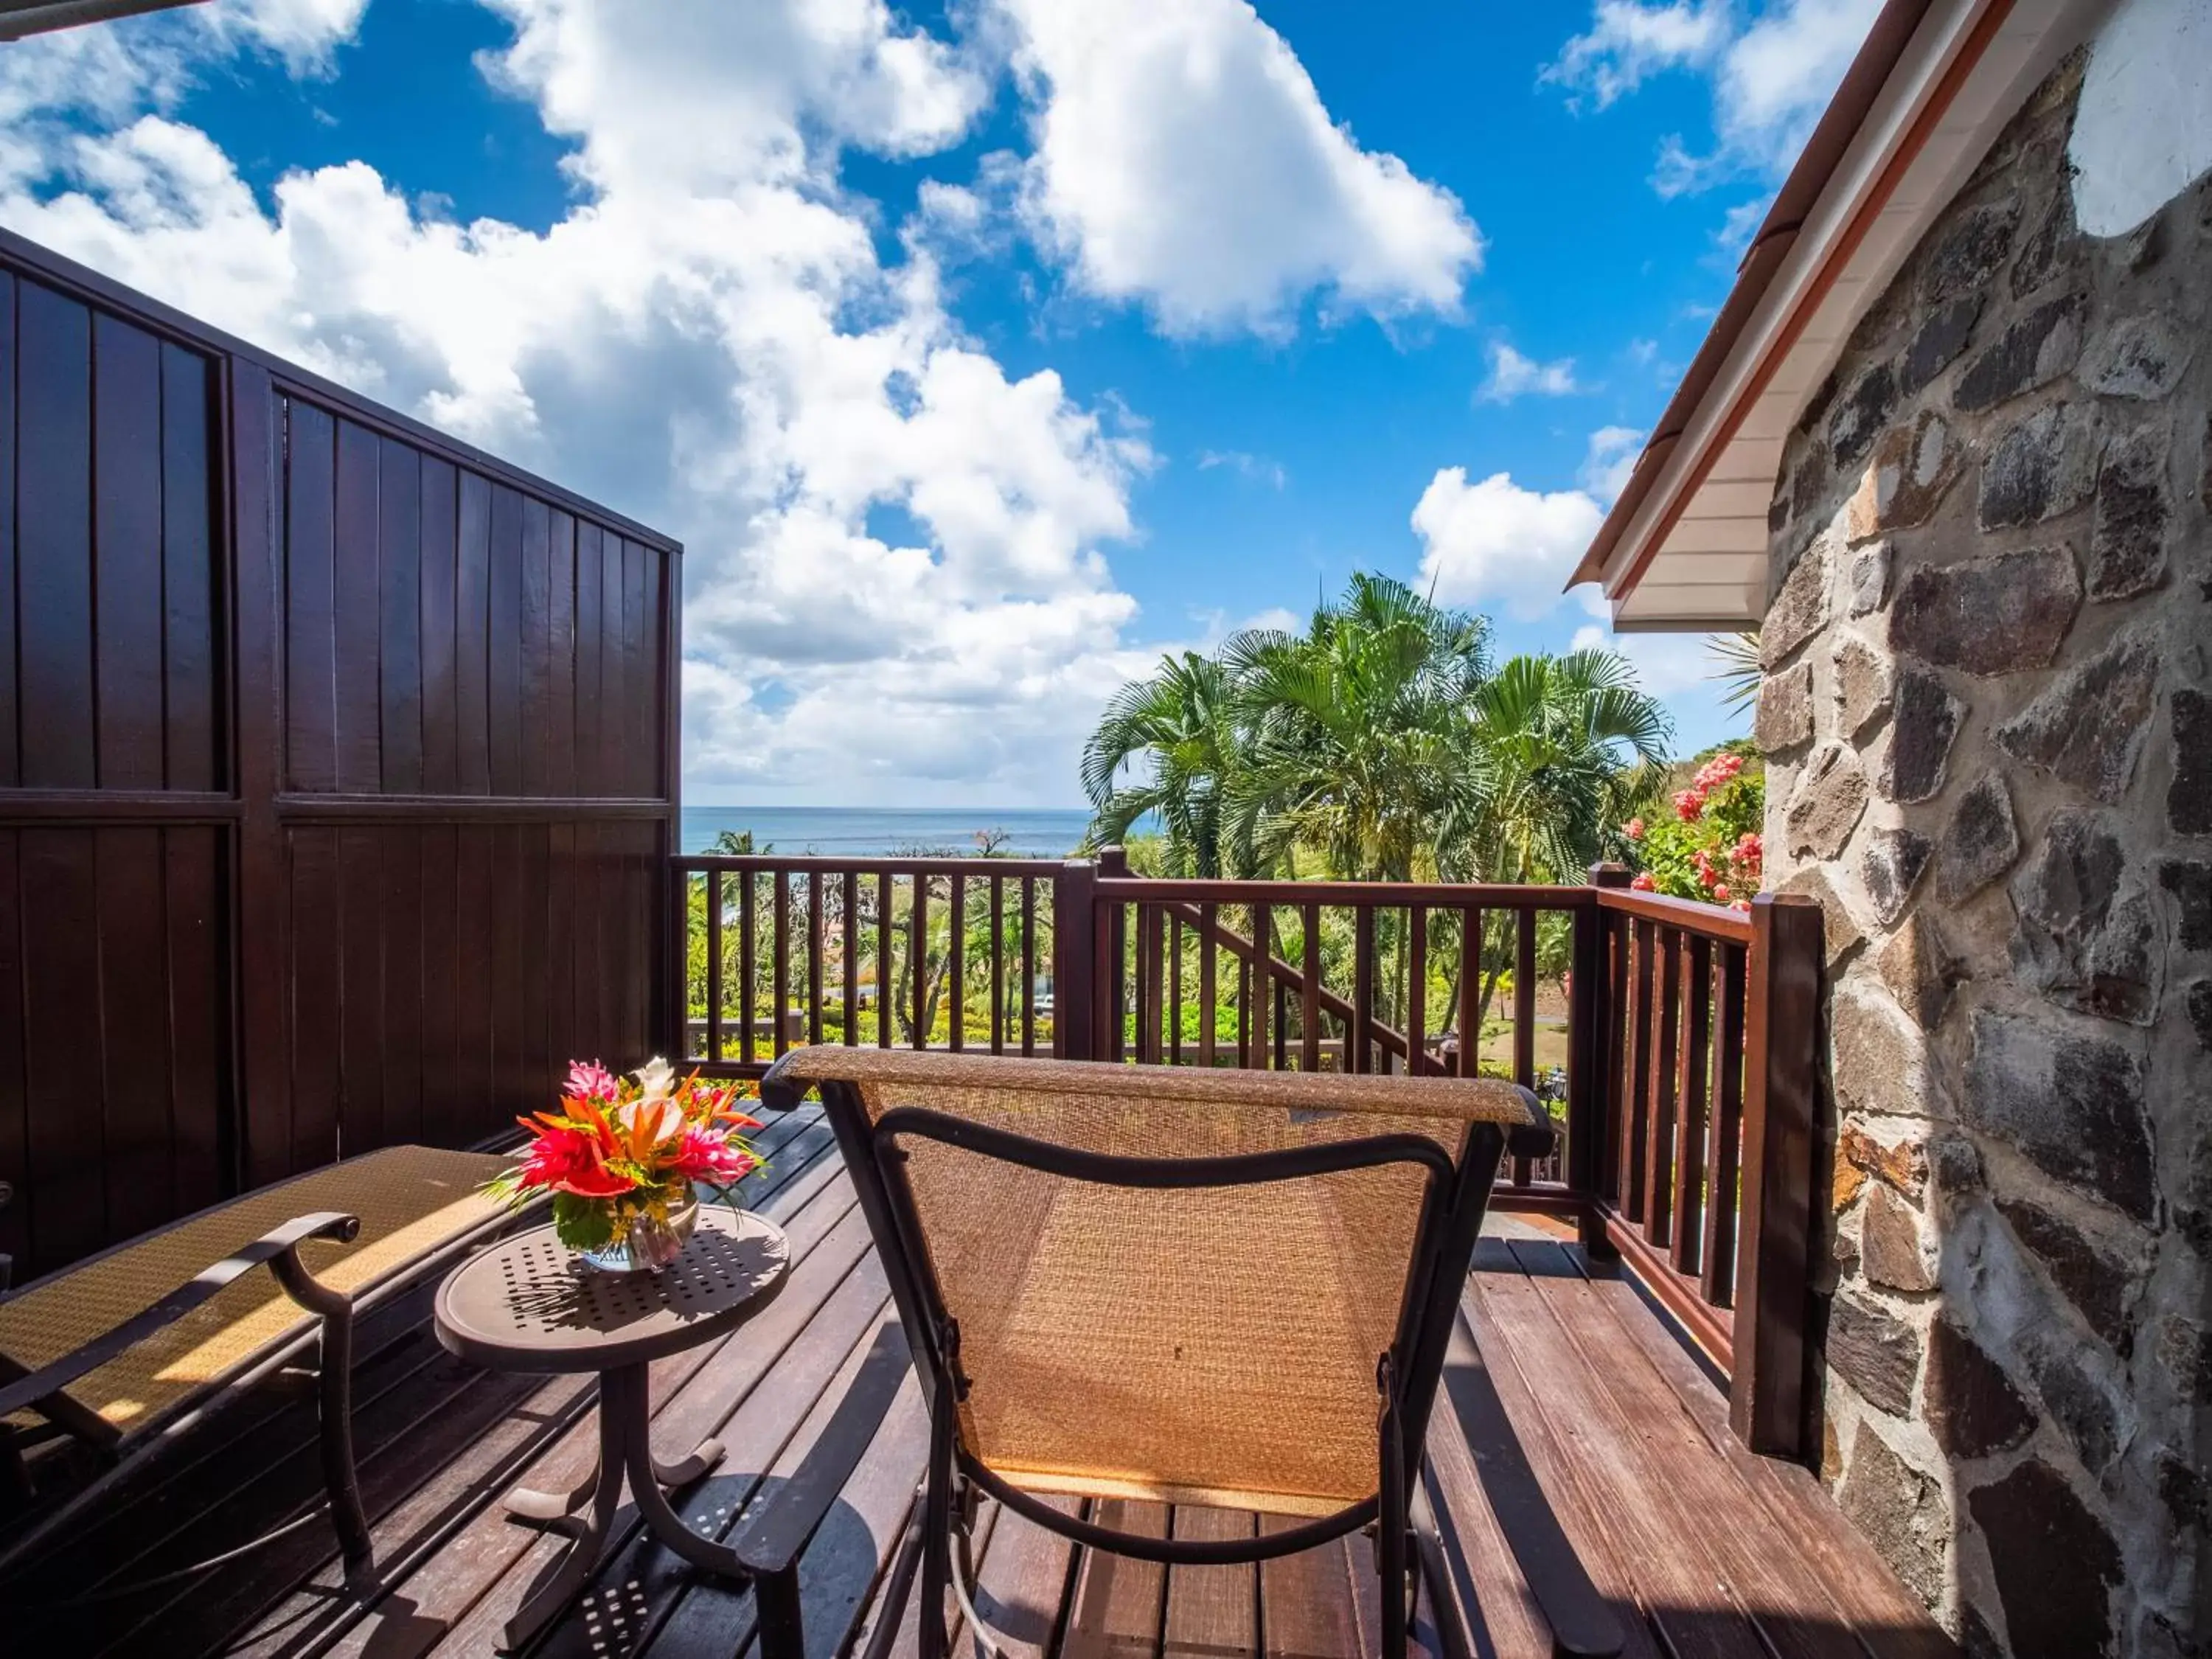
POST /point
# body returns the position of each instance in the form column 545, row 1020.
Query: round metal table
column 527, row 1304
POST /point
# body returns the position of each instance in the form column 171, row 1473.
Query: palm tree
column 1565, row 746
column 1736, row 665
column 1183, row 721
column 1358, row 740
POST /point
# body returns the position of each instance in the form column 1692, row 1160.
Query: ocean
column 877, row 831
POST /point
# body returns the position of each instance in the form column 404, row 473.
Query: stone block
column 1827, row 803
column 2190, row 881
column 2196, row 1003
column 2086, row 1411
column 1902, row 1164
column 1784, row 718
column 1971, row 1405
column 1924, row 720
column 1899, row 1511
column 2087, row 728
column 2071, row 1104
column 1980, row 841
column 1919, row 972
column 1799, row 609
column 1990, row 616
column 2189, row 797
column 2055, row 1564
column 1936, row 344
column 2139, row 357
column 2128, row 535
column 1860, row 413
column 1966, row 252
column 2101, row 1286
column 2053, row 250
column 1912, row 469
column 2035, row 350
column 1880, row 1058
column 1863, row 681
column 1891, row 868
column 1839, row 929
column 1892, row 1251
column 1875, row 1352
column 2044, row 466
column 1868, row 577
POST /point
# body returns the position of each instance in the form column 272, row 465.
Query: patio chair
column 1228, row 1289
column 127, row 1351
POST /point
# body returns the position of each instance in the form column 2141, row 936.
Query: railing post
column 1109, row 960
column 1773, row 1284
column 1074, row 896
column 1591, row 1083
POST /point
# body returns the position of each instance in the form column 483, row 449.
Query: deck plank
column 1306, row 1600
column 1120, row 1602
column 1213, row 1611
column 1777, row 1590
column 1023, row 1582
column 1496, row 1602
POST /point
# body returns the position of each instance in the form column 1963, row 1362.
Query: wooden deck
column 1708, row 1551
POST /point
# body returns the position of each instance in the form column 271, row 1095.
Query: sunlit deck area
column 1564, row 1394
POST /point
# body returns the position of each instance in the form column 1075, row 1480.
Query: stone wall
column 1987, row 716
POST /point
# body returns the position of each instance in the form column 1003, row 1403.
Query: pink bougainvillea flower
column 1689, row 804
column 1720, row 891
column 1741, row 904
column 1635, row 828
column 1644, row 883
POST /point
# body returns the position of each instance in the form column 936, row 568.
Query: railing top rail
column 1708, row 921
column 954, row 865
column 1489, row 896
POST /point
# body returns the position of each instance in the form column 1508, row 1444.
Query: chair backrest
column 1166, row 1283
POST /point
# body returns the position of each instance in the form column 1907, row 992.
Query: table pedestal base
column 625, row 1450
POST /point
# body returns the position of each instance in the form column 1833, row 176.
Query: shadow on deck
column 1619, row 1440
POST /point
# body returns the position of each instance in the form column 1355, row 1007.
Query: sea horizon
column 879, row 831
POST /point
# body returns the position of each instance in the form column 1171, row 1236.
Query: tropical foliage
column 1381, row 743
column 1707, row 845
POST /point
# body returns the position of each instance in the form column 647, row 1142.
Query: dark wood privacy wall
column 338, row 771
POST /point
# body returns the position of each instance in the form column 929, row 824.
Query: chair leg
column 782, row 1624
column 1391, row 1523
column 334, row 1412
column 937, row 1529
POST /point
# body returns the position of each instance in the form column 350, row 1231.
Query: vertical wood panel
column 591, row 778
column 126, row 550
column 15, row 1219
column 134, row 1162
column 441, row 705
column 507, row 966
column 399, row 576
column 506, row 640
column 614, row 672
column 537, row 645
column 53, row 540
column 315, row 998
column 442, row 1104
column 535, row 1083
column 190, row 578
column 474, row 1074
column 310, row 653
column 197, row 959
column 637, row 704
column 62, row 1046
column 401, row 851
column 354, row 586
column 11, row 759
column 361, row 989
column 561, row 625
column 472, row 635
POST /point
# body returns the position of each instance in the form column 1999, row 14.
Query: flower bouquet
column 623, row 1158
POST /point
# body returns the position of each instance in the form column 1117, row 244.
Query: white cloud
column 1773, row 70
column 1184, row 160
column 1513, row 375
column 1667, row 664
column 708, row 340
column 1610, row 460
column 1495, row 544
column 1627, row 43
column 1256, row 468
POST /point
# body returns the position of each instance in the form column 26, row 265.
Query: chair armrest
column 775, row 1537
column 279, row 1246
column 1535, row 1139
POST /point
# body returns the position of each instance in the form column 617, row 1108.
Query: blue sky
column 977, row 355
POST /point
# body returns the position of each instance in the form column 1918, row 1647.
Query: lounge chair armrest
column 279, row 1248
column 773, row 1537
column 1532, row 1139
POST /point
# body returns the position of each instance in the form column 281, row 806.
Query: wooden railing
column 1680, row 1070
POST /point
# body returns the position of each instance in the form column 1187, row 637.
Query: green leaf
column 582, row 1224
